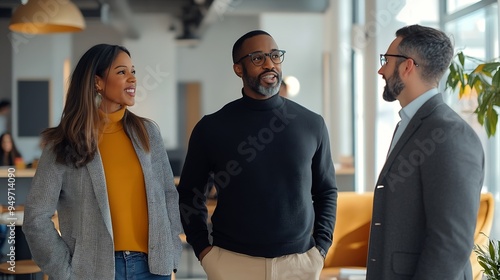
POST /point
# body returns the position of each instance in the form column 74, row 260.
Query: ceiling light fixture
column 43, row 17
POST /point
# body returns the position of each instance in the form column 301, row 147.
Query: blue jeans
column 134, row 266
column 3, row 235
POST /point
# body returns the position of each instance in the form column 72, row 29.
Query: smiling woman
column 107, row 168
column 117, row 86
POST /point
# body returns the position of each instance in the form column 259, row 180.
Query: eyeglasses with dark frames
column 259, row 58
column 383, row 58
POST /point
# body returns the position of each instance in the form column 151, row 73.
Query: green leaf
column 496, row 80
column 491, row 121
column 491, row 67
column 491, row 247
column 461, row 58
column 484, row 79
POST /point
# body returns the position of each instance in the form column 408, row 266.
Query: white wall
column 337, row 95
column 301, row 35
column 154, row 56
column 95, row 33
column 39, row 57
column 374, row 137
column 211, row 64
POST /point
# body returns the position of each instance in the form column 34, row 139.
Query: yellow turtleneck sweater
column 125, row 186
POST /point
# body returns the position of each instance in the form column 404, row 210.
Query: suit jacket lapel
column 145, row 163
column 424, row 111
column 96, row 171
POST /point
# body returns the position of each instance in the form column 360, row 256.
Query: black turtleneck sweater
column 270, row 161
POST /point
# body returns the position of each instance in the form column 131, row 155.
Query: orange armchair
column 351, row 234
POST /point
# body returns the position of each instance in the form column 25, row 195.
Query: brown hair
column 75, row 139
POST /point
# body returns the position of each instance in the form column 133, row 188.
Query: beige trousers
column 221, row 264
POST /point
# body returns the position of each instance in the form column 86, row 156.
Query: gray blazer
column 85, row 248
column 426, row 200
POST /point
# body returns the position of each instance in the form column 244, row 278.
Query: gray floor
column 190, row 268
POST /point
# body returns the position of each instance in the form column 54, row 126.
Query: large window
column 476, row 33
column 455, row 5
column 475, row 30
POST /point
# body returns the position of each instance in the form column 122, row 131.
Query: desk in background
column 345, row 178
column 22, row 183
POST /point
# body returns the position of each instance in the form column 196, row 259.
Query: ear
column 238, row 70
column 409, row 68
column 99, row 83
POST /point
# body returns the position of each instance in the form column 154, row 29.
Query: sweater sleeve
column 324, row 193
column 47, row 248
column 192, row 191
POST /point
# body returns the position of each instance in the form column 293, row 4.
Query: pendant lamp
column 43, row 17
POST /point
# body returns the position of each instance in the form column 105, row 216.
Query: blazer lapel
column 96, row 171
column 412, row 127
column 145, row 161
column 405, row 137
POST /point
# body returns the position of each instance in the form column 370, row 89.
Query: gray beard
column 268, row 92
column 255, row 85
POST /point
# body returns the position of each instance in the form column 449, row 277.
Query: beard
column 254, row 83
column 393, row 87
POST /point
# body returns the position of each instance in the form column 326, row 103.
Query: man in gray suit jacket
column 427, row 195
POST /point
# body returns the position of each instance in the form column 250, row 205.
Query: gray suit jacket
column 85, row 248
column 426, row 199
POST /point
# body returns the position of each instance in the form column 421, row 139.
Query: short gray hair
column 430, row 48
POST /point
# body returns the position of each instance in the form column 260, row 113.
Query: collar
column 273, row 102
column 112, row 121
column 411, row 109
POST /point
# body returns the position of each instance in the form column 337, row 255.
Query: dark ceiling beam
column 86, row 12
column 5, row 12
column 215, row 12
column 122, row 11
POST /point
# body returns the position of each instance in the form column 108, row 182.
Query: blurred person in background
column 5, row 119
column 9, row 153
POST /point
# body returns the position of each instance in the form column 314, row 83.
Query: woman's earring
column 98, row 99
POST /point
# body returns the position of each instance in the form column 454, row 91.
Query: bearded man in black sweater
column 269, row 159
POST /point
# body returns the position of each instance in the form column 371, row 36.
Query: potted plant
column 488, row 257
column 483, row 80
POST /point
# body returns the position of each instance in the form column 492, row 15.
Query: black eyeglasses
column 383, row 58
column 258, row 58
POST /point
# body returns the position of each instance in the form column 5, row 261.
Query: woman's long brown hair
column 75, row 139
